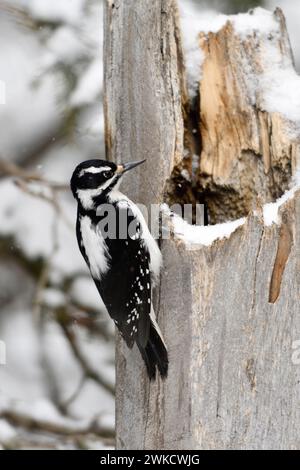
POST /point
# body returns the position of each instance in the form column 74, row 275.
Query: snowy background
column 56, row 389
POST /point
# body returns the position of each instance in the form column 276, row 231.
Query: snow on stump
column 250, row 99
column 229, row 293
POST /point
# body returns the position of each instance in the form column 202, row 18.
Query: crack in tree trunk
column 285, row 243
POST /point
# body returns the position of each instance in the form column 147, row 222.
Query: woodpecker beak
column 128, row 166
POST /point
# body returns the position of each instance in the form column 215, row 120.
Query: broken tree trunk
column 246, row 150
column 228, row 311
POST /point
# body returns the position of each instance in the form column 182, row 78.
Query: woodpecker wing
column 126, row 286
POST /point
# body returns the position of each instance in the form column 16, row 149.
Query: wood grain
column 246, row 151
column 232, row 383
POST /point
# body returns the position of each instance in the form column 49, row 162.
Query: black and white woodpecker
column 124, row 268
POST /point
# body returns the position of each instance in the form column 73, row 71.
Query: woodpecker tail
column 155, row 352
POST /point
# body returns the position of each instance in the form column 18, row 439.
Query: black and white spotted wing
column 126, row 287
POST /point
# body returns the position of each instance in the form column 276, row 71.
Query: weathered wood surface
column 229, row 312
column 246, row 151
column 232, row 383
column 142, row 104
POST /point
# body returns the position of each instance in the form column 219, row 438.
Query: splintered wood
column 229, row 312
column 247, row 152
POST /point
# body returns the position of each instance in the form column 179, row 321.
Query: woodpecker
column 124, row 264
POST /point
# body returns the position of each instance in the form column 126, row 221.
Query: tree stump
column 246, row 149
column 228, row 311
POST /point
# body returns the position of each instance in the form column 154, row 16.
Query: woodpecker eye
column 107, row 174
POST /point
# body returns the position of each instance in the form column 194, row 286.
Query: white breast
column 95, row 248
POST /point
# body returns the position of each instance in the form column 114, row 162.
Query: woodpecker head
column 95, row 177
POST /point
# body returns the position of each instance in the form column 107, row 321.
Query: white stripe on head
column 94, row 169
column 110, row 181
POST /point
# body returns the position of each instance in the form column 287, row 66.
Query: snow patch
column 281, row 92
column 195, row 21
column 204, row 235
column 291, row 10
column 43, row 409
column 53, row 298
column 66, row 11
column 22, row 377
column 89, row 86
column 194, row 56
column 271, row 210
column 7, row 432
column 207, row 235
column 64, row 46
column 84, row 291
column 200, row 234
column 259, row 21
column 21, row 216
column 277, row 88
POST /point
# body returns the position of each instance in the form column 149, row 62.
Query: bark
column 232, row 383
column 227, row 311
column 142, row 99
column 246, row 151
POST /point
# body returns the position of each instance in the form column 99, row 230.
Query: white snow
column 30, row 221
column 42, row 407
column 64, row 46
column 22, row 381
column 291, row 10
column 92, row 121
column 195, row 21
column 38, row 97
column 271, row 210
column 84, row 291
column 44, row 410
column 89, row 86
column 203, row 235
column 53, row 298
column 29, row 112
column 259, row 21
column 67, row 260
column 277, row 88
column 281, row 92
column 68, row 11
column 193, row 54
column 22, row 376
column 21, row 216
column 193, row 235
column 7, row 432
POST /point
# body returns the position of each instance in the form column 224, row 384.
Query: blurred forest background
column 57, row 387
